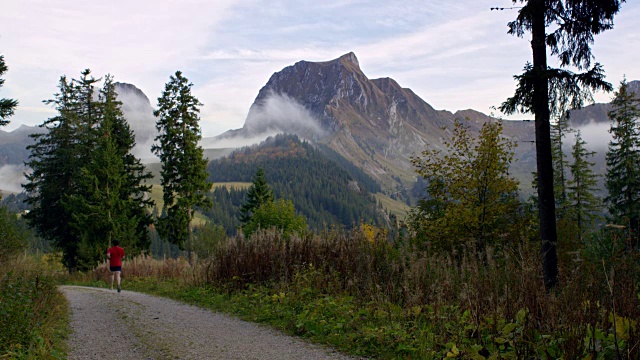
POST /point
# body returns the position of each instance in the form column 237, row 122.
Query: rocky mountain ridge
column 375, row 123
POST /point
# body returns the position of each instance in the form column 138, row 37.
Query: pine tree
column 545, row 91
column 85, row 186
column 623, row 161
column 584, row 205
column 559, row 131
column 7, row 106
column 57, row 156
column 110, row 203
column 258, row 194
column 184, row 174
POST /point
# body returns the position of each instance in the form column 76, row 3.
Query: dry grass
column 492, row 286
column 145, row 266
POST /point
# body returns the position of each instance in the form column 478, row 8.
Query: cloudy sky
column 453, row 54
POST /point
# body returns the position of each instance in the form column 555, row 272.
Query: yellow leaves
column 372, row 233
column 623, row 326
column 453, row 353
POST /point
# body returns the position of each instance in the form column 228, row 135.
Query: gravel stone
column 131, row 325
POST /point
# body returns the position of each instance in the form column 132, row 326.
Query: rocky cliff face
column 375, row 123
column 138, row 111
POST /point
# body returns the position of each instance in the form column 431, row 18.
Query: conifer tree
column 85, row 186
column 559, row 131
column 56, row 158
column 623, row 161
column 546, row 91
column 7, row 106
column 584, row 205
column 258, row 194
column 184, row 174
column 110, row 203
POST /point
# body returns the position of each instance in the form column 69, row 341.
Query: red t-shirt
column 117, row 253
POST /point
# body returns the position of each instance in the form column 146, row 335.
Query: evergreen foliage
column 55, row 161
column 110, row 203
column 559, row 131
column 583, row 204
column 226, row 207
column 184, row 175
column 546, row 91
column 12, row 239
column 623, row 161
column 86, row 187
column 322, row 191
column 7, row 106
column 471, row 199
column 259, row 193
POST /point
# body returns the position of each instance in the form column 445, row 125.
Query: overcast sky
column 454, row 54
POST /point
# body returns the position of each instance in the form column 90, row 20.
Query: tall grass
column 33, row 314
column 593, row 311
column 371, row 297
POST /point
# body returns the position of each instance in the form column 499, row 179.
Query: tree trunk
column 546, row 202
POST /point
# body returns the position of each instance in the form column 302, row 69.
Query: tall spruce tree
column 7, row 106
column 110, row 203
column 623, row 161
column 259, row 193
column 85, row 186
column 545, row 91
column 184, row 174
column 584, row 205
column 56, row 158
column 559, row 131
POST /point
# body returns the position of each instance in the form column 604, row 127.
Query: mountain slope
column 374, row 123
column 324, row 191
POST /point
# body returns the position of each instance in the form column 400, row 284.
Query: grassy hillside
column 395, row 207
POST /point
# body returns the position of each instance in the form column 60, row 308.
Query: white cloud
column 11, row 177
column 455, row 55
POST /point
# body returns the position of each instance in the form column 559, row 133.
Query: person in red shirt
column 115, row 254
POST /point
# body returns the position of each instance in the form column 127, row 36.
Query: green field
column 156, row 195
column 234, row 184
column 395, row 207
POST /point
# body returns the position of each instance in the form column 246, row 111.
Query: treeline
column 322, row 190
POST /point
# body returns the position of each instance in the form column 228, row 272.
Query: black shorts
column 115, row 268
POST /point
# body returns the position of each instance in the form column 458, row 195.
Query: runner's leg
column 118, row 279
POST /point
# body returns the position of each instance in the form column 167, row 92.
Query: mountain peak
column 349, row 58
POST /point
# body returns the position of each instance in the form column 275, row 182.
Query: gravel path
column 130, row 325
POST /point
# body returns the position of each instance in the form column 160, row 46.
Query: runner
column 115, row 254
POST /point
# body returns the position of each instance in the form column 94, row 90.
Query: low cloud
column 139, row 114
column 596, row 136
column 11, row 177
column 279, row 113
column 235, row 141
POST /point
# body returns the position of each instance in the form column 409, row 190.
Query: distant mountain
column 136, row 108
column 13, row 145
column 597, row 113
column 374, row 123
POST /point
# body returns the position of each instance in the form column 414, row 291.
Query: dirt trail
column 130, row 325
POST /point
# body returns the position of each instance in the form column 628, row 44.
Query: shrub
column 32, row 316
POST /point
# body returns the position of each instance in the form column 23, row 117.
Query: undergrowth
column 372, row 298
column 33, row 313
